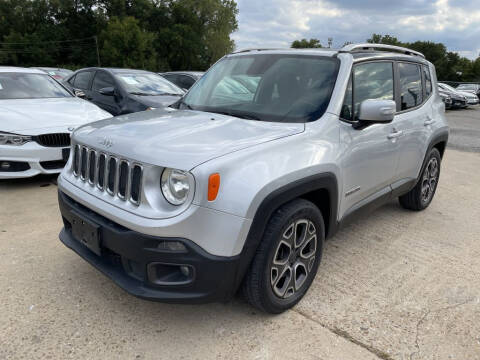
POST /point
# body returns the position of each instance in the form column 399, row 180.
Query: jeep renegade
column 238, row 184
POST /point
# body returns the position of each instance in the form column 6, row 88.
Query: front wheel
column 422, row 194
column 287, row 258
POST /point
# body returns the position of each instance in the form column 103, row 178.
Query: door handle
column 429, row 121
column 395, row 134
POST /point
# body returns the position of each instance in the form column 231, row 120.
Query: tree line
column 156, row 35
column 449, row 65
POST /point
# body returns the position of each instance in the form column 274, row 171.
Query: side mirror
column 107, row 91
column 79, row 93
column 377, row 111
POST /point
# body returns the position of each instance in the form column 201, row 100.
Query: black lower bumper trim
column 125, row 255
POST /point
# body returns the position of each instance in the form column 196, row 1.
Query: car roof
column 15, row 69
column 195, row 73
column 50, row 68
column 115, row 70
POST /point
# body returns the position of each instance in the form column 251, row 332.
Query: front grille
column 118, row 177
column 53, row 140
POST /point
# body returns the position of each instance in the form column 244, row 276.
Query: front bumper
column 459, row 103
column 472, row 101
column 34, row 159
column 127, row 256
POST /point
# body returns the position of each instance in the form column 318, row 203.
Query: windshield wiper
column 140, row 93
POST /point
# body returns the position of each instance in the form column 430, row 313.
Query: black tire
column 416, row 199
column 258, row 285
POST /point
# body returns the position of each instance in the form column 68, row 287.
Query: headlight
column 14, row 139
column 175, row 186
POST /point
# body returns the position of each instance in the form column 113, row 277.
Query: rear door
column 414, row 119
column 103, row 80
column 369, row 156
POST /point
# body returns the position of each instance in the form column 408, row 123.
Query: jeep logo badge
column 106, row 143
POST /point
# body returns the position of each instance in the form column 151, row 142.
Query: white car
column 37, row 115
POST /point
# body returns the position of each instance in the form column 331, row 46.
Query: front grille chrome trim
column 112, row 177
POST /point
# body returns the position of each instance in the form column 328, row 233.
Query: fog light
column 185, row 270
column 170, row 274
column 5, row 165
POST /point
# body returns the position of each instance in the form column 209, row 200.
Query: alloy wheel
column 430, row 180
column 294, row 258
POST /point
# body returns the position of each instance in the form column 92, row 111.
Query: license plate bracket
column 86, row 232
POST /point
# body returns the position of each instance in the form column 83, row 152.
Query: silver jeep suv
column 238, row 184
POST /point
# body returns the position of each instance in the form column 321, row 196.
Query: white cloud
column 276, row 23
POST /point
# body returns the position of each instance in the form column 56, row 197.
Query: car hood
column 180, row 139
column 36, row 116
column 159, row 101
column 468, row 91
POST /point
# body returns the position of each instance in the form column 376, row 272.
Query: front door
column 109, row 103
column 369, row 155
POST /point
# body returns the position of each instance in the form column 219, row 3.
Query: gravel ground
column 393, row 285
column 465, row 129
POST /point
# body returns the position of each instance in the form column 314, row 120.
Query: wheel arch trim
column 296, row 189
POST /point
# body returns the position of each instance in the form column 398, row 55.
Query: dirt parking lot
column 393, row 285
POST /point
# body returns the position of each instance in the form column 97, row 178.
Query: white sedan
column 37, row 115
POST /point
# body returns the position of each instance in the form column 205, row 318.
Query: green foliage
column 126, row 45
column 149, row 34
column 306, row 44
column 449, row 65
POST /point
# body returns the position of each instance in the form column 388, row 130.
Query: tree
column 306, row 44
column 125, row 44
column 384, row 39
column 181, row 34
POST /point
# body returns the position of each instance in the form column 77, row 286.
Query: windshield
column 30, row 86
column 148, row 84
column 278, row 87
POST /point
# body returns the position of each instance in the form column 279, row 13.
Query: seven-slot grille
column 53, row 140
column 118, row 177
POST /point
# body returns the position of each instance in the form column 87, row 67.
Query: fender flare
column 323, row 181
column 437, row 139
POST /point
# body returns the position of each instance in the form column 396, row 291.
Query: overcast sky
column 276, row 23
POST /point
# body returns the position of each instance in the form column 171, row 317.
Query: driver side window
column 372, row 80
column 102, row 80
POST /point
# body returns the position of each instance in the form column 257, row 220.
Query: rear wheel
column 287, row 258
column 422, row 194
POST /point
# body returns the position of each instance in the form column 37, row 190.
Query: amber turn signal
column 213, row 186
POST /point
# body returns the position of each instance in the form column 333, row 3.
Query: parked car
column 38, row 115
column 472, row 99
column 447, row 100
column 123, row 91
column 459, row 100
column 183, row 79
column 193, row 202
column 473, row 88
column 57, row 73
